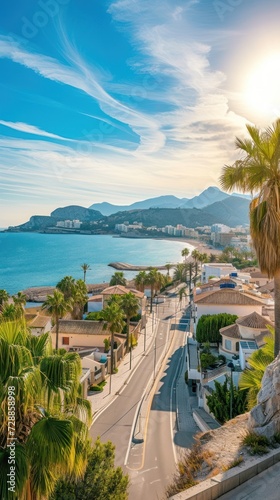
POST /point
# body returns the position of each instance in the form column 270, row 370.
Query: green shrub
column 95, row 316
column 96, row 388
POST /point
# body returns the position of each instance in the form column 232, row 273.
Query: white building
column 216, row 269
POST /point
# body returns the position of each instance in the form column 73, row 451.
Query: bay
column 34, row 259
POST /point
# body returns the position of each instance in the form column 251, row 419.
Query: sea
column 35, row 259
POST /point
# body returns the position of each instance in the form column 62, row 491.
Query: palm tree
column 4, row 297
column 155, row 280
column 85, row 268
column 79, row 299
column 140, row 281
column 57, row 306
column 50, row 429
column 130, row 307
column 117, row 279
column 251, row 378
column 259, row 172
column 180, row 272
column 185, row 252
column 168, row 267
column 11, row 312
column 66, row 286
column 20, row 300
column 114, row 322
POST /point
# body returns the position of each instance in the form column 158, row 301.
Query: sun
column 262, row 88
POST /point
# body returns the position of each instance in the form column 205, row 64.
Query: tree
column 251, row 378
column 118, row 279
column 113, row 318
column 66, row 286
column 11, row 312
column 4, row 297
column 185, row 252
column 209, row 325
column 85, row 268
column 155, row 280
column 168, row 267
column 140, row 281
column 51, row 419
column 20, row 300
column 180, row 273
column 79, row 299
column 101, row 480
column 130, row 307
column 259, row 171
column 57, row 306
column 219, row 401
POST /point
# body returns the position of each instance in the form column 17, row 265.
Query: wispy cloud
column 31, row 129
column 80, row 76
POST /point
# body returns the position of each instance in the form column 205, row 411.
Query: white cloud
column 31, row 129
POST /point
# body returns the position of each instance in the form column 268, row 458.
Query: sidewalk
column 100, row 400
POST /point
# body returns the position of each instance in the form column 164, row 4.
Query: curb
column 213, row 488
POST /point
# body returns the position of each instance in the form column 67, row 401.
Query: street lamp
column 231, row 366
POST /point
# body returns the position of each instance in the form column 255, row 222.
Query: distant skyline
column 125, row 100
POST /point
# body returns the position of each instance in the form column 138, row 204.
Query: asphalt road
column 115, row 422
column 151, row 465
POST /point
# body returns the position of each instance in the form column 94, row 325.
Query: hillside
column 207, row 197
column 234, row 210
column 71, row 212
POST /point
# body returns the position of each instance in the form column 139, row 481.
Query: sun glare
column 262, row 89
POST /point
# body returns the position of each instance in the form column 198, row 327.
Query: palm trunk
column 277, row 312
column 127, row 334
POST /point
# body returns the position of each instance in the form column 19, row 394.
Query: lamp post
column 231, row 366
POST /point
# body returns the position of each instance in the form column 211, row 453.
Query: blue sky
column 129, row 99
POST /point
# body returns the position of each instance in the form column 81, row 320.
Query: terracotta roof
column 29, row 317
column 82, row 327
column 39, row 322
column 268, row 287
column 212, row 284
column 258, row 274
column 253, row 320
column 260, row 338
column 231, row 331
column 121, row 290
column 227, row 296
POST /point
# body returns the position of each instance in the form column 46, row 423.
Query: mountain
column 72, row 212
column 231, row 211
column 75, row 212
column 207, row 197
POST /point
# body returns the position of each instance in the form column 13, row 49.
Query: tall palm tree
column 180, row 272
column 168, row 267
column 185, row 252
column 130, row 307
column 4, row 297
column 85, row 268
column 140, row 281
column 50, row 429
column 11, row 312
column 259, row 172
column 114, row 322
column 118, row 279
column 20, row 300
column 155, row 280
column 79, row 299
column 57, row 306
column 66, row 286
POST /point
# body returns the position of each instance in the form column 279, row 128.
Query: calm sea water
column 31, row 259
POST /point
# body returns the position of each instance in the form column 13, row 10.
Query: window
column 228, row 345
column 237, row 346
column 65, row 340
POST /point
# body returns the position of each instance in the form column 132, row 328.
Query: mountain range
column 210, row 195
column 211, row 206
